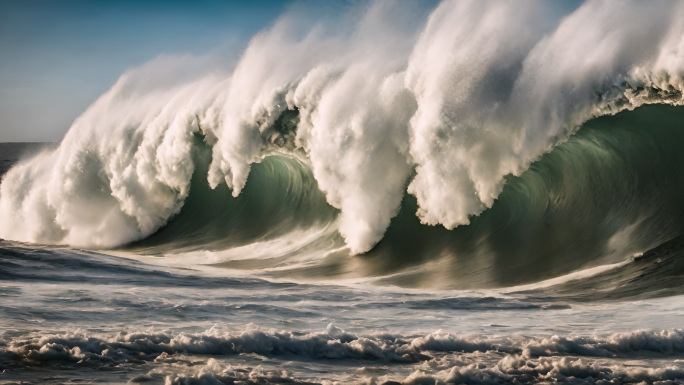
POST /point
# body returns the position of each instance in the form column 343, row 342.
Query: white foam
column 441, row 357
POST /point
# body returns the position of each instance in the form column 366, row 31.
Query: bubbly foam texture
column 332, row 343
column 439, row 356
column 520, row 371
column 474, row 92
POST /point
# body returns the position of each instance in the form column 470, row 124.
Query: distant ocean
column 480, row 193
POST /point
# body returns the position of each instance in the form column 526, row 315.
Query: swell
column 611, row 191
column 393, row 133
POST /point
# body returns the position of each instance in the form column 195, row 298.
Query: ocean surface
column 173, row 309
column 454, row 193
column 73, row 316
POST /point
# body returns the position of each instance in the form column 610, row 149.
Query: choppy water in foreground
column 70, row 316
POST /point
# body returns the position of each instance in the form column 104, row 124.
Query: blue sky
column 57, row 57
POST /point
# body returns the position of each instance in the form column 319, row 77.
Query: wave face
column 608, row 193
column 354, row 134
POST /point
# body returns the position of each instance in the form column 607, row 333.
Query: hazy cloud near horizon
column 58, row 57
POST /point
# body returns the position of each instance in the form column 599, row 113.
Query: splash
column 444, row 103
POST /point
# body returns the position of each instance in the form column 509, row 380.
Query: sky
column 57, row 57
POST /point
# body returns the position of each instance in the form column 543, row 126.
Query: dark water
column 232, row 291
column 608, row 193
column 71, row 316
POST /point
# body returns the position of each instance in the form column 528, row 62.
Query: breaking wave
column 526, row 132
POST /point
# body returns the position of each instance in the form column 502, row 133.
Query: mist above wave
column 461, row 95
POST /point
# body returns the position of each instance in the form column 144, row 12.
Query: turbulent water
column 463, row 192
